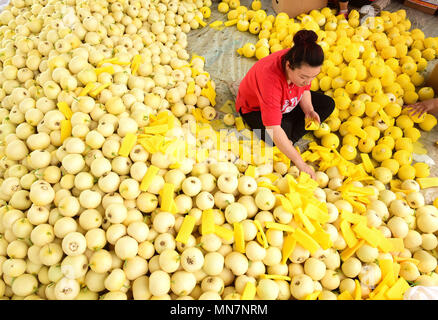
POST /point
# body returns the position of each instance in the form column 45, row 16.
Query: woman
column 272, row 89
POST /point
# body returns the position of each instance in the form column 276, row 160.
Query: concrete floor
column 225, row 66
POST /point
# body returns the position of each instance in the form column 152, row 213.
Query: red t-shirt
column 265, row 89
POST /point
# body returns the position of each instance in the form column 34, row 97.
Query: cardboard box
column 432, row 79
column 296, row 7
column 435, row 2
column 422, row 6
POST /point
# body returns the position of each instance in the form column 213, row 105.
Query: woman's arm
column 307, row 106
column 283, row 143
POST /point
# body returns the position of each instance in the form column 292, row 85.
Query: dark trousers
column 292, row 122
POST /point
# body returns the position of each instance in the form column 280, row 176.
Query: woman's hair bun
column 303, row 37
column 304, row 51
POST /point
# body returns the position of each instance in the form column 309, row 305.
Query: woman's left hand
column 313, row 115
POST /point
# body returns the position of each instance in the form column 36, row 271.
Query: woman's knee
column 330, row 104
column 324, row 105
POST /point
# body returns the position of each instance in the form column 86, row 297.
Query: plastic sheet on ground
column 421, row 293
column 3, row 4
column 219, row 50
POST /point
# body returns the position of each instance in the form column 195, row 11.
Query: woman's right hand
column 307, row 169
column 286, row 146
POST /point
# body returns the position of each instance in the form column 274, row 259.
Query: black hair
column 304, row 51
